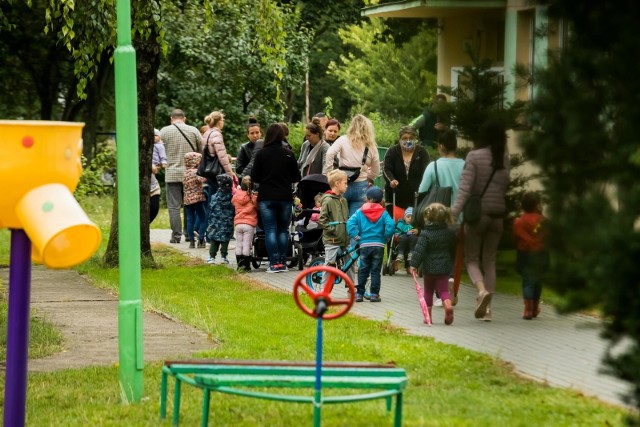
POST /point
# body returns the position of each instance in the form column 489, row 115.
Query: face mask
column 407, row 145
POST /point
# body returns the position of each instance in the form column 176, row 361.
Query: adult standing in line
column 158, row 162
column 449, row 166
column 404, row 165
column 245, row 151
column 179, row 139
column 350, row 150
column 488, row 162
column 430, row 123
column 332, row 131
column 314, row 150
column 214, row 142
column 276, row 170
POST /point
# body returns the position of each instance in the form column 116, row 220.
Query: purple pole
column 15, row 392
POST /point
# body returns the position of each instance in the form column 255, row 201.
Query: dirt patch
column 88, row 319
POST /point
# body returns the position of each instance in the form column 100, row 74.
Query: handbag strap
column 364, row 156
column 205, row 150
column 487, row 184
column 185, row 137
column 435, row 167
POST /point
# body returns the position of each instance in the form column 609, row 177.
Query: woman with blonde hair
column 357, row 154
column 212, row 139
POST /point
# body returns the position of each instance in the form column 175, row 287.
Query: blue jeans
column 370, row 263
column 196, row 220
column 355, row 195
column 276, row 217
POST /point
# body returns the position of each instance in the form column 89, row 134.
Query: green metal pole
column 130, row 349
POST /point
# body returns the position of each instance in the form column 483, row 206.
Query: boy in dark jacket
column 372, row 226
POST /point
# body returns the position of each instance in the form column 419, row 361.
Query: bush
column 99, row 177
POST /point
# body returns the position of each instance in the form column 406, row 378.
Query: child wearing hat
column 407, row 235
column 371, row 226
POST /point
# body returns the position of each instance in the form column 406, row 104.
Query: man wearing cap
column 371, row 226
column 179, row 139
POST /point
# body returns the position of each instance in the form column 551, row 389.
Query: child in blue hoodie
column 371, row 226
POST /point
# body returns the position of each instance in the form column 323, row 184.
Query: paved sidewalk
column 562, row 351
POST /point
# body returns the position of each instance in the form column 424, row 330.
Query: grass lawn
column 448, row 385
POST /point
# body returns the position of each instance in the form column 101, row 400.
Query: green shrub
column 98, row 177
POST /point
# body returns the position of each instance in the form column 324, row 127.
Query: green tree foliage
column 586, row 142
column 382, row 77
column 222, row 66
column 479, row 96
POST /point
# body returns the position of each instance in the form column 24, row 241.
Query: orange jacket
column 528, row 232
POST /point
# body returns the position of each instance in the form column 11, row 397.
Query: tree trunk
column 147, row 65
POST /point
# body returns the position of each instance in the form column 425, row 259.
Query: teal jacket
column 373, row 224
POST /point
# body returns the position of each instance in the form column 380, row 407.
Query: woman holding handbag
column 357, row 153
column 485, row 175
column 213, row 141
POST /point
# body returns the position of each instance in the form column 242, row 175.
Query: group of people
column 353, row 210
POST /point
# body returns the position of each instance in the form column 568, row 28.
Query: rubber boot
column 528, row 305
column 482, row 301
column 448, row 311
column 535, row 308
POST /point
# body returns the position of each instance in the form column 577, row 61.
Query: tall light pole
column 130, row 336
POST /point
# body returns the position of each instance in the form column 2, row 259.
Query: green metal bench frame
column 238, row 377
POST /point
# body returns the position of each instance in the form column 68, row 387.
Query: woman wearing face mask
column 404, row 165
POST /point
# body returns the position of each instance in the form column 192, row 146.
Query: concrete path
column 562, row 351
column 88, row 319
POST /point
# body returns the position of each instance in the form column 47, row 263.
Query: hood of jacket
column 192, row 160
column 372, row 211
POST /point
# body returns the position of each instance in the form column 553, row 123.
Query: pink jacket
column 476, row 173
column 217, row 148
column 246, row 208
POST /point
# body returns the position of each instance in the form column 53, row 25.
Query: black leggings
column 154, row 207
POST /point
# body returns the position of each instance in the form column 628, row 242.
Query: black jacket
column 244, row 156
column 275, row 168
column 394, row 169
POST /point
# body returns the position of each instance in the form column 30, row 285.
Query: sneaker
column 273, row 269
column 409, row 257
column 375, row 298
column 367, row 295
column 202, row 244
column 174, row 240
column 192, row 244
column 224, row 261
column 359, row 298
column 282, row 268
column 400, row 258
column 487, row 315
column 448, row 312
column 437, row 302
column 211, row 260
column 483, row 301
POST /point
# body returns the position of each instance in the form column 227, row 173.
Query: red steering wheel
column 331, row 273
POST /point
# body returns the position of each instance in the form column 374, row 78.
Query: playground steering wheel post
column 323, row 297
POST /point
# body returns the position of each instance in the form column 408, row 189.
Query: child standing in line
column 532, row 260
column 407, row 236
column 371, row 226
column 221, row 215
column 245, row 221
column 435, row 251
column 334, row 208
column 194, row 199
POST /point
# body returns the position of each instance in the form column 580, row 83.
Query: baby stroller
column 259, row 252
column 310, row 238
